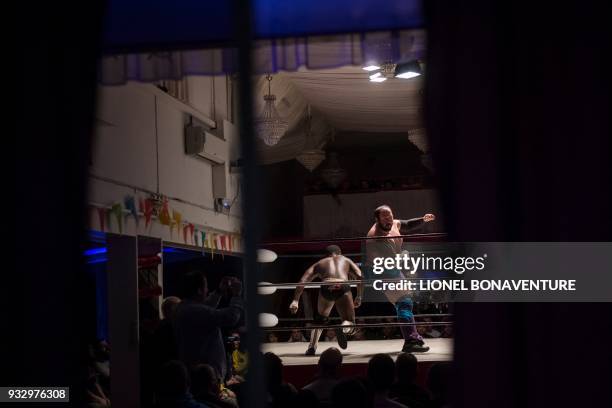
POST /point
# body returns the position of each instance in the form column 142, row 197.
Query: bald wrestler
column 387, row 226
column 333, row 268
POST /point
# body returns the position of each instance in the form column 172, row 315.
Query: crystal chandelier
column 333, row 174
column 270, row 126
column 311, row 156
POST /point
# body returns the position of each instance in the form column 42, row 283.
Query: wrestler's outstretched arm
column 355, row 273
column 414, row 224
column 308, row 276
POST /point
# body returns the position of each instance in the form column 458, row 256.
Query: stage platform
column 359, row 351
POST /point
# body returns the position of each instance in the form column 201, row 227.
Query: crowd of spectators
column 387, row 384
column 432, row 327
column 195, row 359
column 368, row 185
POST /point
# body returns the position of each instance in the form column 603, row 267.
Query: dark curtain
column 51, row 313
column 518, row 110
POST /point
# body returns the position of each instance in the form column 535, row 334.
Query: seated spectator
column 447, row 331
column 430, row 331
column 306, row 399
column 438, row 382
column 272, row 337
column 296, row 336
column 206, row 388
column 280, row 394
column 329, row 371
column 381, row 373
column 96, row 397
column 99, row 354
column 405, row 389
column 239, row 357
column 173, row 387
column 330, row 335
column 390, row 332
column 359, row 334
column 164, row 341
column 198, row 322
column 350, row 393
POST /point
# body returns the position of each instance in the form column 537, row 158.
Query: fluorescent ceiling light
column 408, row 75
column 408, row 70
column 371, row 68
column 378, row 79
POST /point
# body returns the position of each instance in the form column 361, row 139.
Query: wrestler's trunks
column 334, row 292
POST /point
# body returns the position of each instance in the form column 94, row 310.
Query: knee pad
column 403, row 307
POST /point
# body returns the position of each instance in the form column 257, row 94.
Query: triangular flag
column 190, row 227
column 177, row 217
column 117, row 211
column 130, row 204
column 147, row 210
column 164, row 214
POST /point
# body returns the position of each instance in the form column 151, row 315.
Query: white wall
column 351, row 215
column 138, row 147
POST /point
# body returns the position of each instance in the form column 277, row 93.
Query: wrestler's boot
column 314, row 341
column 413, row 342
column 315, row 334
column 341, row 338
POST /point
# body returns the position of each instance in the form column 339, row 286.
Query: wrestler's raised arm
column 414, row 224
column 355, row 273
column 308, row 276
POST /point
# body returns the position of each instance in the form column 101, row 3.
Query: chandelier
column 333, row 174
column 311, row 156
column 270, row 126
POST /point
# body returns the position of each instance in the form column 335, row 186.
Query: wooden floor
column 358, row 351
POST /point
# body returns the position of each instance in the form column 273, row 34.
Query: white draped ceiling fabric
column 270, row 56
column 323, row 71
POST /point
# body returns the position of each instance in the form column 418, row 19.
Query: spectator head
column 381, row 372
column 99, row 351
column 330, row 334
column 204, row 381
column 330, row 361
column 169, row 307
column 406, row 367
column 333, row 250
column 350, row 393
column 272, row 337
column 235, row 340
column 194, row 285
column 274, row 370
column 296, row 335
column 389, row 331
column 173, row 380
column 359, row 335
column 438, row 381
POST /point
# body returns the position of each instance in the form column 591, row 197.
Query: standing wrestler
column 333, row 268
column 387, row 226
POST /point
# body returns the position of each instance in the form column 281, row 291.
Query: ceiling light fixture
column 311, row 156
column 407, row 70
column 371, row 67
column 270, row 126
column 388, row 70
